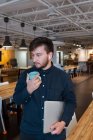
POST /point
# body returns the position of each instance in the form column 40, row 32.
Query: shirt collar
column 45, row 71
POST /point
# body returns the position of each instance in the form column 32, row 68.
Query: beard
column 42, row 65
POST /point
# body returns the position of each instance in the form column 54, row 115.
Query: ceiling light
column 23, row 43
column 7, row 43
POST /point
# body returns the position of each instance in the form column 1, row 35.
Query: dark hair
column 49, row 47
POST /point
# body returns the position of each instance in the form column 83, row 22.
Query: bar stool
column 2, row 121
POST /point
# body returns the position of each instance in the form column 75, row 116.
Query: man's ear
column 50, row 55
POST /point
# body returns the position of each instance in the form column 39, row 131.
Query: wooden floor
column 83, row 90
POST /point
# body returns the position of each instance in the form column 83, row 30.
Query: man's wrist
column 63, row 123
column 29, row 91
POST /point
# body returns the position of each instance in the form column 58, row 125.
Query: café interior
column 69, row 24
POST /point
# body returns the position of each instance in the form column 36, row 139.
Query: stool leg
column 2, row 121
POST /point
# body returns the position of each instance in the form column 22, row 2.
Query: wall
column 29, row 60
column 21, row 56
column 82, row 55
column 59, row 57
column 55, row 55
column 6, row 55
column 90, row 51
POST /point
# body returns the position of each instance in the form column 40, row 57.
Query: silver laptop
column 52, row 112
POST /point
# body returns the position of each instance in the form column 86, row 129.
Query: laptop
column 52, row 113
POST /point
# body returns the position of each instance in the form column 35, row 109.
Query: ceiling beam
column 71, row 15
column 9, row 3
column 46, row 10
column 62, row 14
column 74, row 34
column 77, row 8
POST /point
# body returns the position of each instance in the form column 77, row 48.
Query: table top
column 84, row 128
column 6, row 91
column 24, row 68
column 70, row 67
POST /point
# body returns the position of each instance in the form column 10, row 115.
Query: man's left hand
column 58, row 127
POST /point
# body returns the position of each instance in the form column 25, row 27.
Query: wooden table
column 70, row 67
column 6, row 91
column 84, row 128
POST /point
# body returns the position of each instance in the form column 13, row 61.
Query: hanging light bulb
column 7, row 43
column 23, row 43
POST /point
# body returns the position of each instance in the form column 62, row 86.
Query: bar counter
column 84, row 127
column 6, row 91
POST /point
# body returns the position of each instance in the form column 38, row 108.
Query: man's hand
column 33, row 84
column 58, row 127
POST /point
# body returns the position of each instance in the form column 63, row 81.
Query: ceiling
column 70, row 21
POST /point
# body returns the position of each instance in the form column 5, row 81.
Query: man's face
column 40, row 57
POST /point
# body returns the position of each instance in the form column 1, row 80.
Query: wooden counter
column 84, row 128
column 70, row 67
column 6, row 91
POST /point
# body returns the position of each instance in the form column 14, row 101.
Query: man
column 54, row 85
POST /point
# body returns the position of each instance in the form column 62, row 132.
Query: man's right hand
column 33, row 84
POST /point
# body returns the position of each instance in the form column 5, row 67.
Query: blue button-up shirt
column 55, row 86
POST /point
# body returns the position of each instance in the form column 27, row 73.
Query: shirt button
column 42, row 96
column 30, row 96
column 44, row 75
column 42, row 108
column 43, row 119
column 43, row 85
column 26, row 101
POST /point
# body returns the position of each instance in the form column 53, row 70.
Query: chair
column 1, row 117
column 13, row 62
column 71, row 125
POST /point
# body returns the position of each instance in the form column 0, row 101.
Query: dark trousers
column 24, row 136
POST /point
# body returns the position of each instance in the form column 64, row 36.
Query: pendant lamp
column 23, row 43
column 7, row 43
